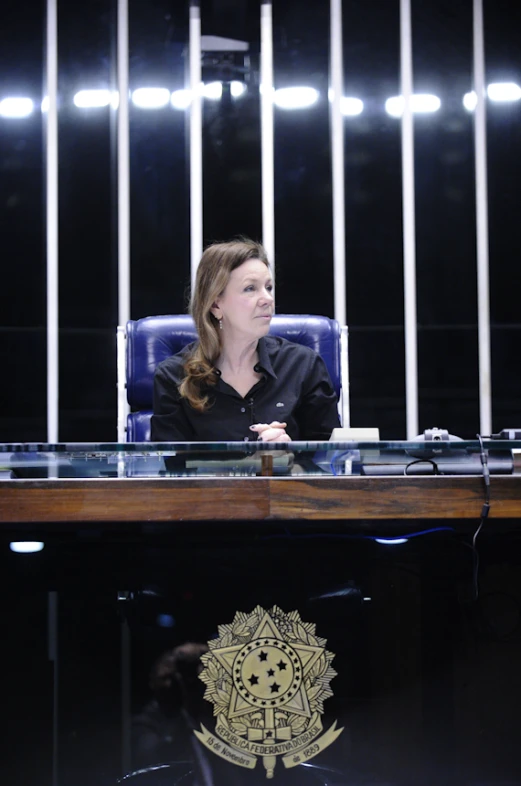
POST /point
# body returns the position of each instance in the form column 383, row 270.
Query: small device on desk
column 440, row 454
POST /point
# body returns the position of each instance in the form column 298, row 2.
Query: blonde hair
column 213, row 274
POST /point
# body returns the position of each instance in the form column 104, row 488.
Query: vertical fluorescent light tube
column 51, row 120
column 337, row 162
column 196, row 139
column 123, row 167
column 480, row 142
column 123, row 148
column 345, row 407
column 267, row 154
column 409, row 223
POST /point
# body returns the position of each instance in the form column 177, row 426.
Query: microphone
column 507, row 433
column 430, row 436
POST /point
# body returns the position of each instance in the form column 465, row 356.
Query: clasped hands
column 271, row 432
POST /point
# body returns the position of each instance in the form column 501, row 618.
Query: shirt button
column 246, row 439
column 243, row 409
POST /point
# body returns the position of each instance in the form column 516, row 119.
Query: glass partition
column 153, row 657
column 249, row 459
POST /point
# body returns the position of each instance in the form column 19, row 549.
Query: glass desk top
column 249, row 459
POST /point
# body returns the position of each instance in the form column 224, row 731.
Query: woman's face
column 246, row 305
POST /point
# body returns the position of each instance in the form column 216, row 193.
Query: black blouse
column 295, row 388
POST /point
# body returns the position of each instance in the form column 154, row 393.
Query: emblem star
column 274, row 688
column 308, row 654
column 253, row 680
column 281, row 665
column 270, row 673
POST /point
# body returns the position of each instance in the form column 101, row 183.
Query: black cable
column 484, row 514
column 422, row 461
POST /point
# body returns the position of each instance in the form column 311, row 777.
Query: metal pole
column 123, row 148
column 480, row 141
column 52, row 219
column 337, row 163
column 196, row 139
column 123, row 407
column 123, row 167
column 409, row 224
column 267, row 144
column 345, row 405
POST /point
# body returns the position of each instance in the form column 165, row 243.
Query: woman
column 236, row 383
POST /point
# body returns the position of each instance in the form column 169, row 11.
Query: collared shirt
column 295, row 388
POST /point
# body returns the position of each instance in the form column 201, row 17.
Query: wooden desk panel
column 96, row 500
column 393, row 497
column 229, row 499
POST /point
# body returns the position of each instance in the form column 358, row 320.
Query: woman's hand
column 271, row 432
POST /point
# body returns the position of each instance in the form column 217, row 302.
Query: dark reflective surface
column 373, row 186
column 159, row 163
column 22, row 291
column 426, row 688
column 303, row 161
column 445, row 223
column 503, row 129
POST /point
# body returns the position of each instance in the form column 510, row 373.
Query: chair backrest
column 152, row 339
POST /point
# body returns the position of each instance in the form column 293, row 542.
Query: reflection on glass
column 251, row 459
column 504, row 91
column 470, row 100
column 351, row 106
column 496, row 91
column 162, row 730
column 26, row 546
column 158, row 97
column 391, row 542
column 15, row 106
column 151, row 97
column 421, row 103
column 295, row 97
column 284, row 98
column 181, row 99
column 213, row 90
column 85, row 99
column 237, row 89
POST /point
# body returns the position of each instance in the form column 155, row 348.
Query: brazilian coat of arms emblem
column 267, row 675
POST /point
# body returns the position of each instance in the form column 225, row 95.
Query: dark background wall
column 445, row 201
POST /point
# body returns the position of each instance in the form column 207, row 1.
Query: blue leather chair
column 152, row 339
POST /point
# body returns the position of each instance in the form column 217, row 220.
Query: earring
column 220, row 324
